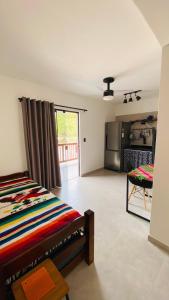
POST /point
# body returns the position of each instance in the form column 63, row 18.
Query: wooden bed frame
column 84, row 242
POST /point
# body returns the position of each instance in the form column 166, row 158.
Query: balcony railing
column 68, row 151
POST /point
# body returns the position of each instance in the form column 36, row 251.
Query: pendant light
column 108, row 94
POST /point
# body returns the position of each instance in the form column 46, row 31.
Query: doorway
column 68, row 144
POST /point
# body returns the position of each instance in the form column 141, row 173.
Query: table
column 133, row 158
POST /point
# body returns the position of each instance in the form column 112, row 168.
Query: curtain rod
column 57, row 105
column 70, row 107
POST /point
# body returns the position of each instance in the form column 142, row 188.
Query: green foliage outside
column 67, row 127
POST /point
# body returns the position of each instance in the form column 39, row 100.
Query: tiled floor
column 69, row 170
column 127, row 266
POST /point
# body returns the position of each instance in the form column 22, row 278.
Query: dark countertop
column 139, row 148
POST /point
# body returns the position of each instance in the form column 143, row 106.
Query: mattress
column 29, row 214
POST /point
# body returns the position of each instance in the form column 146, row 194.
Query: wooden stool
column 57, row 286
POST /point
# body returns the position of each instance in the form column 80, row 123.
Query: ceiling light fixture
column 108, row 94
column 125, row 99
column 138, row 98
column 131, row 99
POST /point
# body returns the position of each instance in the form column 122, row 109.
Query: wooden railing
column 68, row 151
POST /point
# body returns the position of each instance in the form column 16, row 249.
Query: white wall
column 142, row 106
column 159, row 228
column 12, row 150
column 155, row 13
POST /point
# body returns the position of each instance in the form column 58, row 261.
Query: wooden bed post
column 3, row 291
column 89, row 232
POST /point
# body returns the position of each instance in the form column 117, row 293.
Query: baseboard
column 158, row 243
column 91, row 172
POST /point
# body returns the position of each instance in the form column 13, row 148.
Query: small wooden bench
column 44, row 280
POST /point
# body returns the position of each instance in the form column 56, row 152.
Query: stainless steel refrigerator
column 113, row 145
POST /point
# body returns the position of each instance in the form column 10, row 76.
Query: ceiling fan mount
column 108, row 80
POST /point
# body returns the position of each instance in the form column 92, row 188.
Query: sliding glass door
column 68, row 140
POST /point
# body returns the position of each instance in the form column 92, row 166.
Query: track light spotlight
column 130, row 99
column 125, row 99
column 138, row 98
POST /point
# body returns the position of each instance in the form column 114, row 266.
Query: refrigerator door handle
column 106, row 141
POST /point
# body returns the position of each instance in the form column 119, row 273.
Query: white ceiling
column 156, row 12
column 71, row 45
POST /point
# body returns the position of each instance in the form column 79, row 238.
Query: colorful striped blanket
column 29, row 214
column 144, row 172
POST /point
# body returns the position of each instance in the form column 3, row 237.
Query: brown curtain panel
column 41, row 142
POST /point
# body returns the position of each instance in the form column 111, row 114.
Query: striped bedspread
column 144, row 172
column 29, row 214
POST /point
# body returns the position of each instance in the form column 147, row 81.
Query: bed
column 35, row 224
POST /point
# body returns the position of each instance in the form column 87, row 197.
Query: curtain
column 41, row 142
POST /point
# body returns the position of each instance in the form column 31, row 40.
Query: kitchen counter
column 138, row 147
